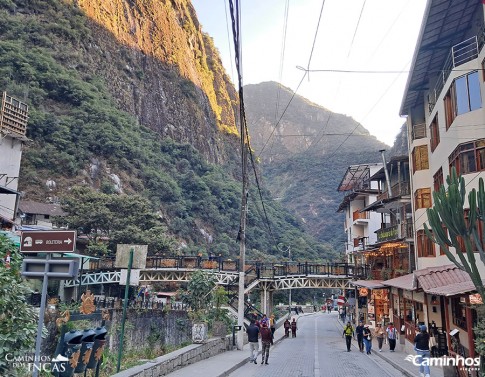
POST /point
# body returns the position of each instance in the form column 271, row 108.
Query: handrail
column 254, row 269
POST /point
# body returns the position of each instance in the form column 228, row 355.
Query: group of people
column 261, row 329
column 264, row 329
column 364, row 336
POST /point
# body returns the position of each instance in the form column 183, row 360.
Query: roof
column 38, row 208
column 354, row 177
column 445, row 24
column 6, row 190
column 404, row 282
column 446, row 280
column 371, row 284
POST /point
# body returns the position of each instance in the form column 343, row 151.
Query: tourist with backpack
column 348, row 334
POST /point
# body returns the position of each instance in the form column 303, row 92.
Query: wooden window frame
column 422, row 198
column 434, row 133
column 420, row 158
column 450, row 107
column 456, row 158
column 438, row 180
column 425, row 247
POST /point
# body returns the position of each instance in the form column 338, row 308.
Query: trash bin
column 98, row 346
column 71, row 349
column 87, row 342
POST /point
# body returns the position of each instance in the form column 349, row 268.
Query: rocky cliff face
column 167, row 72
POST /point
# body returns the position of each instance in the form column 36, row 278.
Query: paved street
column 318, row 350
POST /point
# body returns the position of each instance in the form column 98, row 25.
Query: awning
column 404, row 282
column 446, row 280
column 453, row 289
column 371, row 284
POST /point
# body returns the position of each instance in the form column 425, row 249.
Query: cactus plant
column 449, row 210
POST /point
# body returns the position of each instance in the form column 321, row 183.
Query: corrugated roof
column 404, row 282
column 371, row 284
column 453, row 289
column 445, row 24
column 38, row 208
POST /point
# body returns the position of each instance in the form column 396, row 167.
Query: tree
column 199, row 294
column 18, row 319
column 462, row 225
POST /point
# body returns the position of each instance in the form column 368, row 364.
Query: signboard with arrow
column 56, row 241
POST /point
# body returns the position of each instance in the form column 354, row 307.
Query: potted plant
column 198, row 296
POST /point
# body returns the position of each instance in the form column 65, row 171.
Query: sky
column 278, row 37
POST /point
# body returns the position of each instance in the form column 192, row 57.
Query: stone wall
column 144, row 328
column 150, row 327
column 166, row 364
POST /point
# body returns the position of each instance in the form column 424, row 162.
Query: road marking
column 316, row 365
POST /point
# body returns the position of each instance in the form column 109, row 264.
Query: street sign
column 48, row 241
column 60, row 268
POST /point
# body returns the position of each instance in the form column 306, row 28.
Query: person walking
column 293, row 328
column 287, row 326
column 380, row 336
column 349, row 334
column 359, row 331
column 266, row 341
column 391, row 336
column 421, row 346
column 367, row 333
column 253, row 340
column 272, row 324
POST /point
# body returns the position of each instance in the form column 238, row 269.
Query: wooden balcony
column 360, row 215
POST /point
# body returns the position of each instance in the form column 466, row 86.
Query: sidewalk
column 223, row 364
column 398, row 359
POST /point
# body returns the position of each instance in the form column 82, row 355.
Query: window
column 458, row 313
column 425, row 245
column 422, row 198
column 467, row 93
column 479, row 228
column 468, row 157
column 434, row 133
column 438, row 179
column 449, row 102
column 420, row 158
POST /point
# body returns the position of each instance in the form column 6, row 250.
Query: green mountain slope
column 117, row 108
column 306, row 155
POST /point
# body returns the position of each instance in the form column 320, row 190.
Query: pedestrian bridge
column 258, row 275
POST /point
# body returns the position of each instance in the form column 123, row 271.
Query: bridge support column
column 266, row 296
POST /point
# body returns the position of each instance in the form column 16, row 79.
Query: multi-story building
column 13, row 127
column 392, row 254
column 359, row 226
column 443, row 102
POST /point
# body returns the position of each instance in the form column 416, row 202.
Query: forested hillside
column 136, row 131
column 306, row 154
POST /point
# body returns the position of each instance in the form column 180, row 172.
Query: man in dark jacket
column 359, row 331
column 253, row 334
column 421, row 346
column 266, row 340
column 287, row 326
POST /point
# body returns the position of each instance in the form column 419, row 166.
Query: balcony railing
column 398, row 189
column 357, row 215
column 419, row 131
column 460, row 53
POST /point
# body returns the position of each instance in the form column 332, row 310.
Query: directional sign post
column 60, row 241
column 55, row 241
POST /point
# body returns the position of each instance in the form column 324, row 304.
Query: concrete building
column 13, row 127
column 443, row 103
column 359, row 226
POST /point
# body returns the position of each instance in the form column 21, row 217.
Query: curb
column 397, row 366
column 245, row 361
